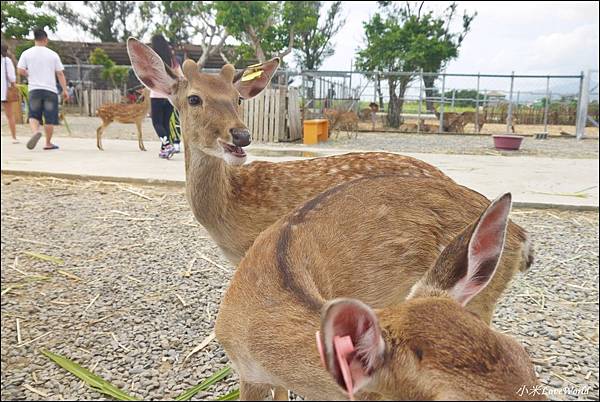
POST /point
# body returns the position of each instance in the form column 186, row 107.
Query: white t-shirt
column 41, row 64
column 8, row 71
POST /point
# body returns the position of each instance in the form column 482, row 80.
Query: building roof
column 74, row 52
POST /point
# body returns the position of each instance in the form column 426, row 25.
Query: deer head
column 430, row 347
column 208, row 104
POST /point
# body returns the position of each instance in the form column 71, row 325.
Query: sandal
column 51, row 147
column 34, row 140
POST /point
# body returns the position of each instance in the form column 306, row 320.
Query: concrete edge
column 181, row 183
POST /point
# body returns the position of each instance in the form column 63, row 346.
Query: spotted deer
column 397, row 275
column 233, row 201
column 123, row 113
column 340, row 120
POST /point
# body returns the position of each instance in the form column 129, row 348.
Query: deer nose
column 241, row 136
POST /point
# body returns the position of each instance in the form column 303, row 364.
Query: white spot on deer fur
column 345, row 167
column 333, row 170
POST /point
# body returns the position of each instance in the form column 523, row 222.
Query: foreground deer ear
column 253, row 79
column 468, row 263
column 352, row 344
column 150, row 69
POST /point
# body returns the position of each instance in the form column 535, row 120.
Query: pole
column 582, row 104
column 477, row 106
column 420, row 100
column 441, row 128
column 510, row 96
column 547, row 104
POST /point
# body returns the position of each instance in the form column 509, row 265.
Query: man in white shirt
column 42, row 66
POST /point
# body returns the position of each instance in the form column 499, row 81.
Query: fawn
column 340, row 120
column 123, row 113
column 387, row 291
column 236, row 202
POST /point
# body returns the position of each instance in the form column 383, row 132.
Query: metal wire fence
column 446, row 102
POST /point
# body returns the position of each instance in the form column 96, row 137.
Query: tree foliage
column 403, row 38
column 117, row 75
column 314, row 39
column 108, row 21
column 265, row 28
column 17, row 22
column 182, row 21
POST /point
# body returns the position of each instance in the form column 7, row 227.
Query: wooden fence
column 94, row 98
column 274, row 115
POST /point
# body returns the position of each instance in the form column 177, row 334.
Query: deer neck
column 208, row 186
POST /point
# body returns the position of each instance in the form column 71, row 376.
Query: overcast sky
column 525, row 37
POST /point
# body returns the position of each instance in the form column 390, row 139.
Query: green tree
column 265, row 28
column 401, row 38
column 463, row 97
column 108, row 21
column 17, row 22
column 314, row 39
column 117, row 75
column 182, row 21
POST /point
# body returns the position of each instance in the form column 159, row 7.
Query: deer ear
column 352, row 344
column 253, row 79
column 467, row 265
column 150, row 69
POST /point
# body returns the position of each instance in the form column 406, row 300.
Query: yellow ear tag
column 250, row 76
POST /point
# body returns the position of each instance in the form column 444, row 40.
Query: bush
column 117, row 75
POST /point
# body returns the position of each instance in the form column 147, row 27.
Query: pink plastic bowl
column 508, row 142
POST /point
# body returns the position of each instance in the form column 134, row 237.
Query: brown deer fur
column 374, row 239
column 236, row 203
column 123, row 113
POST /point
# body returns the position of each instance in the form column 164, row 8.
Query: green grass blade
column 218, row 376
column 232, row 396
column 92, row 380
column 40, row 256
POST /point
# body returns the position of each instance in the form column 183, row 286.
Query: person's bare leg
column 49, row 129
column 9, row 111
column 34, row 124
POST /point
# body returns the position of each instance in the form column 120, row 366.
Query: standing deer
column 123, row 113
column 236, row 202
column 424, row 257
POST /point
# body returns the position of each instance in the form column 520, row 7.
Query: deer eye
column 194, row 100
column 240, row 100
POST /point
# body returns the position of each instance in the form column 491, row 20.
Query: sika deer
column 414, row 250
column 123, row 113
column 235, row 203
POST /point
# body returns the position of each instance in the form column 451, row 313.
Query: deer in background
column 395, row 293
column 340, row 120
column 233, row 201
column 123, row 113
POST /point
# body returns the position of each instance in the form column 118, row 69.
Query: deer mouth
column 233, row 150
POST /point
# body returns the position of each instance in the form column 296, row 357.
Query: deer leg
column 280, row 394
column 138, row 124
column 254, row 392
column 99, row 132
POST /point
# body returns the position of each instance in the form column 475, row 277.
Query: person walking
column 10, row 96
column 160, row 107
column 42, row 67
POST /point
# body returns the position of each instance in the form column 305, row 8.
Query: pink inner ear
column 343, row 349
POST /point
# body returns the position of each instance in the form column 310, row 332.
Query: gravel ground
column 85, row 127
column 141, row 283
